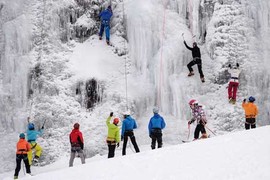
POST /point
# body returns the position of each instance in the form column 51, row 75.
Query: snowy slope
column 238, row 156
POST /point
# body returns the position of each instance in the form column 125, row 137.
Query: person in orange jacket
column 251, row 111
column 23, row 147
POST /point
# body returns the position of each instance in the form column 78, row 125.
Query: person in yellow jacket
column 23, row 147
column 113, row 137
column 251, row 111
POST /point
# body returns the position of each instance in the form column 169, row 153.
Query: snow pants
column 73, row 154
column 197, row 61
column 111, row 147
column 199, row 128
column 250, row 122
column 105, row 25
column 232, row 90
column 156, row 136
column 129, row 134
column 19, row 158
column 38, row 151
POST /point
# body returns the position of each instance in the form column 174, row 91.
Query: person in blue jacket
column 127, row 131
column 32, row 135
column 105, row 17
column 155, row 126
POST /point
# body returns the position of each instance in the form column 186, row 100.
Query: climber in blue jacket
column 105, row 17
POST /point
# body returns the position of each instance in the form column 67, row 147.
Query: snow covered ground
column 237, row 156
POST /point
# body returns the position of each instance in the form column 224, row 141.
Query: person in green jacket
column 113, row 137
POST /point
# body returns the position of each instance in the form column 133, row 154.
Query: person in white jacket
column 233, row 83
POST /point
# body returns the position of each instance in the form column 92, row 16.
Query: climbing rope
column 161, row 56
column 126, row 80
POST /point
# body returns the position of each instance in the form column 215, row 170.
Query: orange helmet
column 76, row 126
column 116, row 121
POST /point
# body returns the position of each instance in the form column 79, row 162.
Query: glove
column 244, row 100
column 230, row 66
column 42, row 127
column 117, row 145
column 150, row 135
column 111, row 114
column 189, row 122
column 122, row 138
column 237, row 65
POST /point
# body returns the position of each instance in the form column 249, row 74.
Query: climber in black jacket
column 196, row 54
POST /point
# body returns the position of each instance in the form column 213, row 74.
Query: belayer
column 251, row 111
column 198, row 115
column 105, row 17
column 77, row 144
column 23, row 147
column 196, row 54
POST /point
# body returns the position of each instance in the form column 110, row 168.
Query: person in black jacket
column 196, row 54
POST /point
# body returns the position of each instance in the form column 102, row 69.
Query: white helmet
column 127, row 112
column 155, row 110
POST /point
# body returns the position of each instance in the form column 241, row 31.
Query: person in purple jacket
column 127, row 131
column 155, row 126
column 105, row 17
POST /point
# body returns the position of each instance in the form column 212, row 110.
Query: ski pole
column 210, row 130
column 188, row 131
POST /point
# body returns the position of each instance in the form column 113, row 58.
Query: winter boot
column 108, row 42
column 36, row 158
column 100, row 38
column 191, row 74
column 204, row 136
column 202, row 79
column 233, row 101
column 15, row 177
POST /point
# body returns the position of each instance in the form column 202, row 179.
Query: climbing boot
column 191, row 74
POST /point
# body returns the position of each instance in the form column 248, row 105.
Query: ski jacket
column 32, row 135
column 113, row 131
column 106, row 15
column 23, row 147
column 196, row 53
column 156, row 122
column 234, row 74
column 251, row 110
column 128, row 125
column 76, row 138
column 198, row 115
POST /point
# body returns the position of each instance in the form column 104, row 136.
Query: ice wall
column 15, row 43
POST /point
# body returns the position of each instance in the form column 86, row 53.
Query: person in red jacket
column 76, row 142
column 23, row 147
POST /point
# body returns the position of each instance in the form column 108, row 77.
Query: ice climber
column 32, row 136
column 105, row 17
column 113, row 138
column 23, row 147
column 196, row 54
column 233, row 83
column 251, row 111
column 128, row 125
column 77, row 144
column 155, row 126
column 198, row 115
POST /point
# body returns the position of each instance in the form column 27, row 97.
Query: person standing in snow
column 23, row 147
column 113, row 137
column 128, row 125
column 198, row 115
column 105, row 17
column 233, row 83
column 251, row 111
column 196, row 54
column 32, row 135
column 77, row 144
column 155, row 126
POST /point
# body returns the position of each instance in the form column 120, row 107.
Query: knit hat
column 22, row 136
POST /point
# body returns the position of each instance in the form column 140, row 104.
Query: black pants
column 156, row 136
column 250, row 122
column 199, row 64
column 19, row 158
column 199, row 128
column 129, row 134
column 111, row 146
